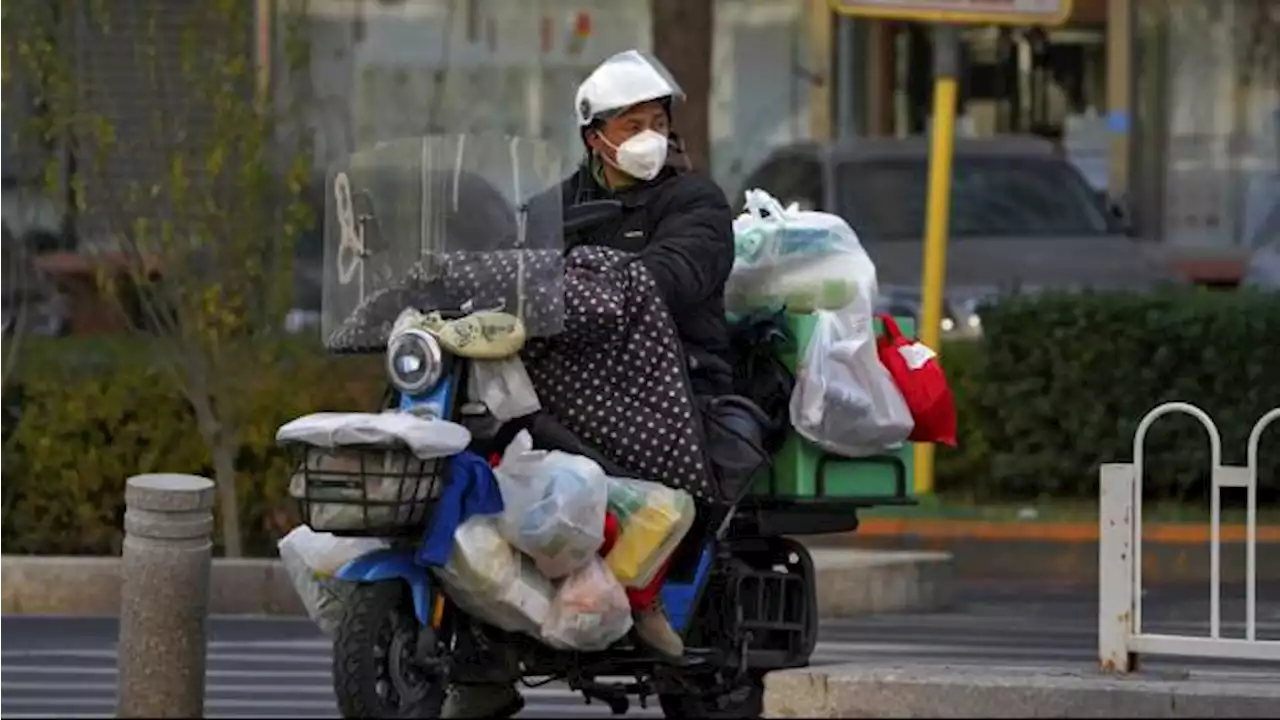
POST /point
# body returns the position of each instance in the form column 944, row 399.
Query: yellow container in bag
column 653, row 519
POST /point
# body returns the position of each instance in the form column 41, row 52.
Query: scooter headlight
column 414, row 361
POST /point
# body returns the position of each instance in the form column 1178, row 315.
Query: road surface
column 281, row 668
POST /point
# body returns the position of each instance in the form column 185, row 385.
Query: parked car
column 1022, row 218
column 1262, row 270
column 31, row 303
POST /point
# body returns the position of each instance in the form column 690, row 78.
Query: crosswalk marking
column 95, row 687
column 213, row 674
column 213, row 657
column 281, row 668
column 297, row 686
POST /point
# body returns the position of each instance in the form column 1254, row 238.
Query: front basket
column 365, row 490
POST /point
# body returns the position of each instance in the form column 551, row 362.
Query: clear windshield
column 449, row 223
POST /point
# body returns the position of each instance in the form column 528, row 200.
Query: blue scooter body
column 394, row 564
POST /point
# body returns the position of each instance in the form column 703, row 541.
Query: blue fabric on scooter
column 470, row 489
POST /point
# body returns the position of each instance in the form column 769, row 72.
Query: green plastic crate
column 803, row 470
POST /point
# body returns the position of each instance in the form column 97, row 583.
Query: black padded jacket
column 681, row 226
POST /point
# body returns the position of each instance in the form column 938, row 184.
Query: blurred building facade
column 1205, row 156
column 1172, row 106
column 386, row 69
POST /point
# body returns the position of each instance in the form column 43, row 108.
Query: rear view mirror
column 589, row 214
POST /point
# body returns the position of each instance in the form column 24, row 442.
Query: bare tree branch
column 183, row 169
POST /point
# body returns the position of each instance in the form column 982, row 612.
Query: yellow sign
column 961, row 12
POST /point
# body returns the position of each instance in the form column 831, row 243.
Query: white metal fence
column 1120, row 635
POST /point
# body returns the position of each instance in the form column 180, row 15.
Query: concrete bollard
column 164, row 596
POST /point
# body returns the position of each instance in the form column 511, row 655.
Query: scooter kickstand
column 618, row 702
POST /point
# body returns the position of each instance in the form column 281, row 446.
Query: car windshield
column 990, row 196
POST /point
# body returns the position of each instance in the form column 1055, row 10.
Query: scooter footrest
column 703, row 657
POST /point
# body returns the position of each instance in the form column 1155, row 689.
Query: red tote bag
column 917, row 373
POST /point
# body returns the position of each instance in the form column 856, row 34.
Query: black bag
column 758, row 340
column 735, row 435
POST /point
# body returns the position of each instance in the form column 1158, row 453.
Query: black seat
column 549, row 434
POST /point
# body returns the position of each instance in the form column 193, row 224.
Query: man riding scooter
column 679, row 224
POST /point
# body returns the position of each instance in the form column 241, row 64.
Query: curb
column 1059, row 531
column 90, row 586
column 1059, row 553
column 849, row 582
column 866, row 582
column 937, row 691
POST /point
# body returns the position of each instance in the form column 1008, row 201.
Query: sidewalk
column 942, row 691
column 850, row 582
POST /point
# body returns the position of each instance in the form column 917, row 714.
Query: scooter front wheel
column 377, row 671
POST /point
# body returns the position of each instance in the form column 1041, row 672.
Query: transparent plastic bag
column 325, row 553
column 493, row 581
column 653, row 519
column 806, row 260
column 845, row 400
column 590, row 611
column 554, row 505
column 324, row 598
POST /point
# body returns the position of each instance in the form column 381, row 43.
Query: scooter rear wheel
column 375, row 669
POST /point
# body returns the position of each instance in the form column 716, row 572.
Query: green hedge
column 1056, row 388
column 960, row 469
column 96, row 411
column 1060, row 382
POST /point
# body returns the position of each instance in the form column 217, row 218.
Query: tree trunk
column 224, row 473
column 683, row 32
column 224, row 470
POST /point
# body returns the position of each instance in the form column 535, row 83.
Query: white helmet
column 626, row 79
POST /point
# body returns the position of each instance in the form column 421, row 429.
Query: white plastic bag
column 493, row 581
column 504, row 387
column 325, row 553
column 844, row 399
column 302, row 551
column 426, row 437
column 804, row 259
column 590, row 611
column 554, row 505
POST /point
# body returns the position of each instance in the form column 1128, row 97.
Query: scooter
column 740, row 591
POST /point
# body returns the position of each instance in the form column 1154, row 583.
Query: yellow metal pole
column 941, row 149
column 1119, row 83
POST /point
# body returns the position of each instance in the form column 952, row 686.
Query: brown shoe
column 654, row 629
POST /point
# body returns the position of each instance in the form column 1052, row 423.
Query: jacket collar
column 591, row 181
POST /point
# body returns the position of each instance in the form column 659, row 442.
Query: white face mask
column 642, row 156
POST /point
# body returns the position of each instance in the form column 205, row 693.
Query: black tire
column 374, row 673
column 747, row 701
